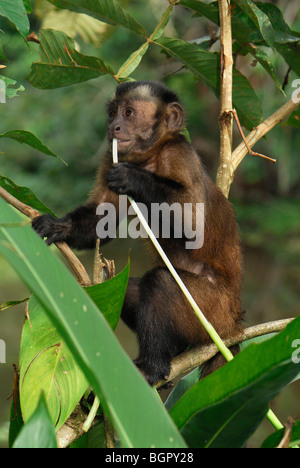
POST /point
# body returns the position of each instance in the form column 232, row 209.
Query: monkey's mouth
column 123, row 143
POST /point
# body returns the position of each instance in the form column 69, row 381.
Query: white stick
column 206, row 324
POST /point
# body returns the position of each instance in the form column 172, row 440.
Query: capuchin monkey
column 158, row 165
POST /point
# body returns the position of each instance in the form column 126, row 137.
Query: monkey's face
column 134, row 123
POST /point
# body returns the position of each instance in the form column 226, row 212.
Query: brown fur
column 157, row 164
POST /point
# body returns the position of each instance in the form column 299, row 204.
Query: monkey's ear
column 174, row 116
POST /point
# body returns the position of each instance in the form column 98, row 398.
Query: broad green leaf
column 109, row 296
column 22, row 136
column 47, row 367
column 28, row 6
column 73, row 24
column 7, row 305
column 132, row 62
column 108, row 11
column 206, row 66
column 260, row 19
column 241, row 30
column 274, row 439
column 39, row 431
column 16, row 13
column 62, row 65
column 138, row 416
column 7, row 85
column 23, row 194
column 225, row 408
column 291, row 54
column 209, row 10
column 162, row 23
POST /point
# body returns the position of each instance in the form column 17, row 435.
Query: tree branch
column 197, row 356
column 225, row 173
column 31, row 213
column 262, row 129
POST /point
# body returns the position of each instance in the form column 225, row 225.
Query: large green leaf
column 23, row 194
column 108, row 11
column 206, row 66
column 242, row 30
column 109, row 296
column 15, row 11
column 22, row 136
column 47, row 367
column 39, row 431
column 62, row 65
column 225, row 408
column 260, row 19
column 138, row 416
column 274, row 439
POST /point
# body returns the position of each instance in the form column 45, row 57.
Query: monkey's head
column 141, row 113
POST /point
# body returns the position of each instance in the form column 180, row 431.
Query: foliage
column 73, row 345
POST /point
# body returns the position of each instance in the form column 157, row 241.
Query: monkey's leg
column 131, row 303
column 166, row 324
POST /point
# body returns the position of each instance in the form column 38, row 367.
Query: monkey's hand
column 123, row 178
column 56, row 230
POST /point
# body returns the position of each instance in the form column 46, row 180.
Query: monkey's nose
column 117, row 128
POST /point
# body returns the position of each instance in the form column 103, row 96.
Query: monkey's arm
column 144, row 186
column 77, row 228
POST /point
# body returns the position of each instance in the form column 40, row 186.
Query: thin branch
column 197, row 356
column 31, row 213
column 262, row 129
column 250, row 151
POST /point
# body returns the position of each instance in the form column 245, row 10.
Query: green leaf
column 109, row 296
column 39, row 431
column 206, row 66
column 48, row 367
column 22, row 136
column 260, row 19
column 62, row 65
column 28, row 6
column 7, row 305
column 209, row 10
column 225, row 408
column 23, row 194
column 7, row 88
column 138, row 416
column 132, row 62
column 108, row 11
column 274, row 439
column 162, row 23
column 16, row 13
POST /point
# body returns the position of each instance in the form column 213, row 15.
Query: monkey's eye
column 112, row 114
column 128, row 112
